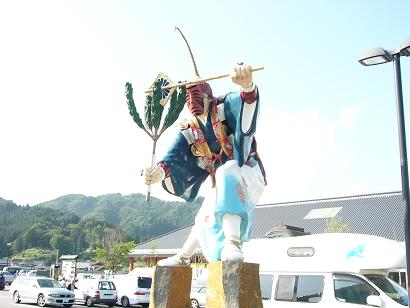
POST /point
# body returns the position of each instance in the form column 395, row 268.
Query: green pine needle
column 148, row 112
column 156, row 107
column 176, row 105
column 131, row 105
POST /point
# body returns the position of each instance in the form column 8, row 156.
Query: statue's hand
column 242, row 76
column 154, row 175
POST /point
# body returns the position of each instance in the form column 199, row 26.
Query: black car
column 2, row 282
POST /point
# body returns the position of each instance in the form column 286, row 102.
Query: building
column 380, row 214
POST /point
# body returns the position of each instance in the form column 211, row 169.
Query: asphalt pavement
column 6, row 301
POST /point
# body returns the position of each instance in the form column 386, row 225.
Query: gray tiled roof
column 377, row 214
column 171, row 240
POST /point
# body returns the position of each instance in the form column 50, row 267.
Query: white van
column 134, row 288
column 95, row 291
column 328, row 270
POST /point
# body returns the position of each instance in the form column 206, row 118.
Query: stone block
column 233, row 285
column 171, row 287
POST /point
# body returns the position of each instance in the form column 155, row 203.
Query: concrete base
column 233, row 284
column 171, row 287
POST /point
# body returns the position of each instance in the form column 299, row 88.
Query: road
column 6, row 301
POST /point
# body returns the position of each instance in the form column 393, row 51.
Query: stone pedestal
column 171, row 287
column 233, row 284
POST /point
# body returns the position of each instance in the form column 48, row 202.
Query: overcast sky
column 327, row 126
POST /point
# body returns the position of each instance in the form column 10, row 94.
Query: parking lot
column 6, row 301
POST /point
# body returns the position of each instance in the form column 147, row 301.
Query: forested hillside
column 75, row 223
column 140, row 220
column 38, row 227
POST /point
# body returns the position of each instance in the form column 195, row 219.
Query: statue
column 217, row 141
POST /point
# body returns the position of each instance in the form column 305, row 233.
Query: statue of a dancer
column 218, row 140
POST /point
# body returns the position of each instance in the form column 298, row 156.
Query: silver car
column 40, row 290
column 8, row 277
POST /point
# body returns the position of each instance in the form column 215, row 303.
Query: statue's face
column 196, row 97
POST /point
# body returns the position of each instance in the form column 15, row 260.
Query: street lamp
column 9, row 251
column 379, row 56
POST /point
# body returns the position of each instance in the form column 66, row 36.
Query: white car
column 336, row 270
column 95, row 291
column 133, row 290
column 198, row 296
column 40, row 290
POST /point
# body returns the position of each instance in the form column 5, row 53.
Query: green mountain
column 49, row 229
column 140, row 220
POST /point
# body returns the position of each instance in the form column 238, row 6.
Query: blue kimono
column 190, row 162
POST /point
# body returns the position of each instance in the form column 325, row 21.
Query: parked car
column 14, row 270
column 8, row 277
column 198, row 296
column 311, row 270
column 133, row 289
column 95, row 291
column 31, row 273
column 40, row 290
column 2, row 282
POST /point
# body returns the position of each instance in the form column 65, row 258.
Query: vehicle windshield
column 48, row 283
column 144, row 282
column 390, row 287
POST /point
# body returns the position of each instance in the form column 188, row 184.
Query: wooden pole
column 148, row 196
column 192, row 82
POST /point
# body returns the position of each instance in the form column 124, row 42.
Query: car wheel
column 89, row 302
column 194, row 303
column 16, row 297
column 125, row 302
column 41, row 300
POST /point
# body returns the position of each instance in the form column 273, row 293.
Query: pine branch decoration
column 131, row 105
column 156, row 107
column 176, row 105
column 153, row 110
column 148, row 113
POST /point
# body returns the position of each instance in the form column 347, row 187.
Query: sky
column 327, row 125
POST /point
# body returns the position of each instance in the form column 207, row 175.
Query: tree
column 115, row 256
column 112, row 236
column 336, row 225
column 151, row 260
column 34, row 254
column 62, row 243
column 36, row 236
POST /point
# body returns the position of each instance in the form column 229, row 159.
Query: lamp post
column 9, row 251
column 379, row 56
